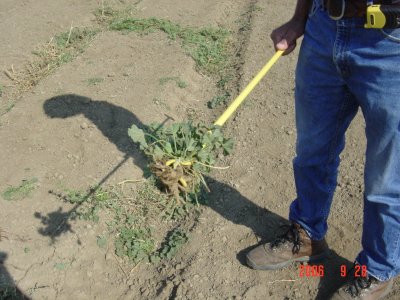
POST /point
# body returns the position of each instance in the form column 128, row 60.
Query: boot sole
column 309, row 259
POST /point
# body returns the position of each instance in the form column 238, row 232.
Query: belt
column 352, row 8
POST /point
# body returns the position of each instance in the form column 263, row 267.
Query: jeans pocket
column 392, row 34
column 316, row 5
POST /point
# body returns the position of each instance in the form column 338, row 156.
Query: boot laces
column 291, row 235
column 357, row 284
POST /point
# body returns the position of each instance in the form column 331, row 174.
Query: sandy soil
column 66, row 131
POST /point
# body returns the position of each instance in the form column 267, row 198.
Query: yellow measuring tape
column 239, row 99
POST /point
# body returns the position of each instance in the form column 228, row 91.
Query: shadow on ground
column 114, row 121
column 8, row 289
column 236, row 208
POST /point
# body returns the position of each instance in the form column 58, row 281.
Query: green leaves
column 184, row 141
column 137, row 135
column 136, row 243
column 20, row 192
column 193, row 149
column 173, row 243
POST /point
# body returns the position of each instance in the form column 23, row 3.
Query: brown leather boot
column 294, row 245
column 363, row 288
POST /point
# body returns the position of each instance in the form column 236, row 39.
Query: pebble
column 289, row 132
column 84, row 125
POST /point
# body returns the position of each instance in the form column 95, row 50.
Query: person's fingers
column 282, row 44
column 277, row 35
column 290, row 49
column 283, row 38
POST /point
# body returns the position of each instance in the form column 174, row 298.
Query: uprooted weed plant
column 180, row 155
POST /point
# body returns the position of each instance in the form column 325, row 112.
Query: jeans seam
column 334, row 142
column 316, row 5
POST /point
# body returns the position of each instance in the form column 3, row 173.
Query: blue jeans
column 343, row 67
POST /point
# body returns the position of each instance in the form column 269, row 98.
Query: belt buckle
column 336, row 9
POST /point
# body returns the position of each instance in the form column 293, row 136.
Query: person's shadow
column 114, row 121
column 8, row 289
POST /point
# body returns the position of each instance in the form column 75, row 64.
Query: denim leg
column 324, row 110
column 375, row 81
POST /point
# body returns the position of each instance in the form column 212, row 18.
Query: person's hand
column 285, row 36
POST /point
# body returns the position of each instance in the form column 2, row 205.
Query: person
column 342, row 66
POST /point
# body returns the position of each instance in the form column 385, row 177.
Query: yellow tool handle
column 239, row 99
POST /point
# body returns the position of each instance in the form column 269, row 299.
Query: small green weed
column 1, row 90
column 255, row 7
column 224, row 81
column 94, row 81
column 76, row 38
column 135, row 243
column 20, row 192
column 10, row 106
column 174, row 242
column 180, row 83
column 106, row 14
column 90, row 202
column 102, row 241
column 218, row 100
column 60, row 266
column 75, row 197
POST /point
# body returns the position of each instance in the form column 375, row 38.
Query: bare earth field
column 69, row 131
